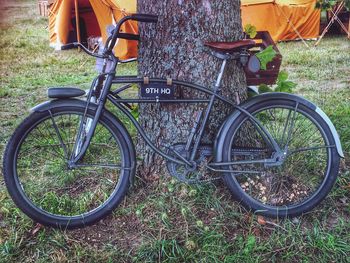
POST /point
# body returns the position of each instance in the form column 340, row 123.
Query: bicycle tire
column 297, row 187
column 99, row 203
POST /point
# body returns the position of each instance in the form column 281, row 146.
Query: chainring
column 184, row 173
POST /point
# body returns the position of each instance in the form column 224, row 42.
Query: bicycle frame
column 124, row 106
column 101, row 88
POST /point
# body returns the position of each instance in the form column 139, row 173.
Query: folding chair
column 335, row 12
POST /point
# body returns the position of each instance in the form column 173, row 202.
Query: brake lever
column 87, row 51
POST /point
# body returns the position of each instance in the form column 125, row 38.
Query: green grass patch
column 167, row 221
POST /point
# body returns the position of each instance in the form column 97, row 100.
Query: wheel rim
column 48, row 184
column 302, row 174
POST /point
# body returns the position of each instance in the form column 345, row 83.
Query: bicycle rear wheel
column 43, row 184
column 306, row 172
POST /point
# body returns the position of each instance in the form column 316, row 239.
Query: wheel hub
column 279, row 158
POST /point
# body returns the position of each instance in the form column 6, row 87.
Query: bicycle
column 71, row 161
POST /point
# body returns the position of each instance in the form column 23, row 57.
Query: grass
column 166, row 220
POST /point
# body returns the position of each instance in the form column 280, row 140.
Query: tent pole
column 291, row 23
column 77, row 22
column 349, row 27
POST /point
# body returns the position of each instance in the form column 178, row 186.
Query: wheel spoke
column 47, row 179
column 285, row 127
column 282, row 180
column 42, row 136
column 292, row 125
column 64, row 147
column 293, row 151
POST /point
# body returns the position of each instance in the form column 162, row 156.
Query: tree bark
column 174, row 49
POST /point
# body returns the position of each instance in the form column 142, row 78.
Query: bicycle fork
column 87, row 128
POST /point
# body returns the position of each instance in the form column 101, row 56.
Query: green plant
column 329, row 4
column 325, row 4
column 135, row 111
column 250, row 30
column 282, row 84
column 322, row 236
column 265, row 56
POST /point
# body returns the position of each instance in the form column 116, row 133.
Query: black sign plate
column 160, row 90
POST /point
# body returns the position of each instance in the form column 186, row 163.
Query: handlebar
column 128, row 36
column 69, row 46
column 87, row 51
column 147, row 18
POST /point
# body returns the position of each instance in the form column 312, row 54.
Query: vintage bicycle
column 71, row 161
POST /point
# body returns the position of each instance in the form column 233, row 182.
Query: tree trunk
column 174, row 49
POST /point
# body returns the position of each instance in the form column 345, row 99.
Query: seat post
column 221, row 73
column 208, row 110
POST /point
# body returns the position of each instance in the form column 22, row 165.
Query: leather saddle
column 231, row 47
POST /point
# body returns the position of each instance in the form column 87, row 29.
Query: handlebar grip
column 69, row 46
column 145, row 18
column 129, row 36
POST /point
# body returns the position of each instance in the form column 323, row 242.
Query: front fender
column 219, row 142
column 50, row 104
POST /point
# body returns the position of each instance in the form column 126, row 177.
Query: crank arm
column 178, row 155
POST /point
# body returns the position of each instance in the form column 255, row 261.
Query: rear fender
column 219, row 142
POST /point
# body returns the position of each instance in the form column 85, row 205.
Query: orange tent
column 284, row 19
column 94, row 16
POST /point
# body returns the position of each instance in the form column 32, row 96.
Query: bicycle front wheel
column 49, row 190
column 307, row 165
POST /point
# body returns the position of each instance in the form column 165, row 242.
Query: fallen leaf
column 261, row 220
column 295, row 220
column 332, row 221
column 36, row 229
column 344, row 200
column 256, row 231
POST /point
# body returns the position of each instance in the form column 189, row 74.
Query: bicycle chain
column 204, row 152
column 237, row 150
